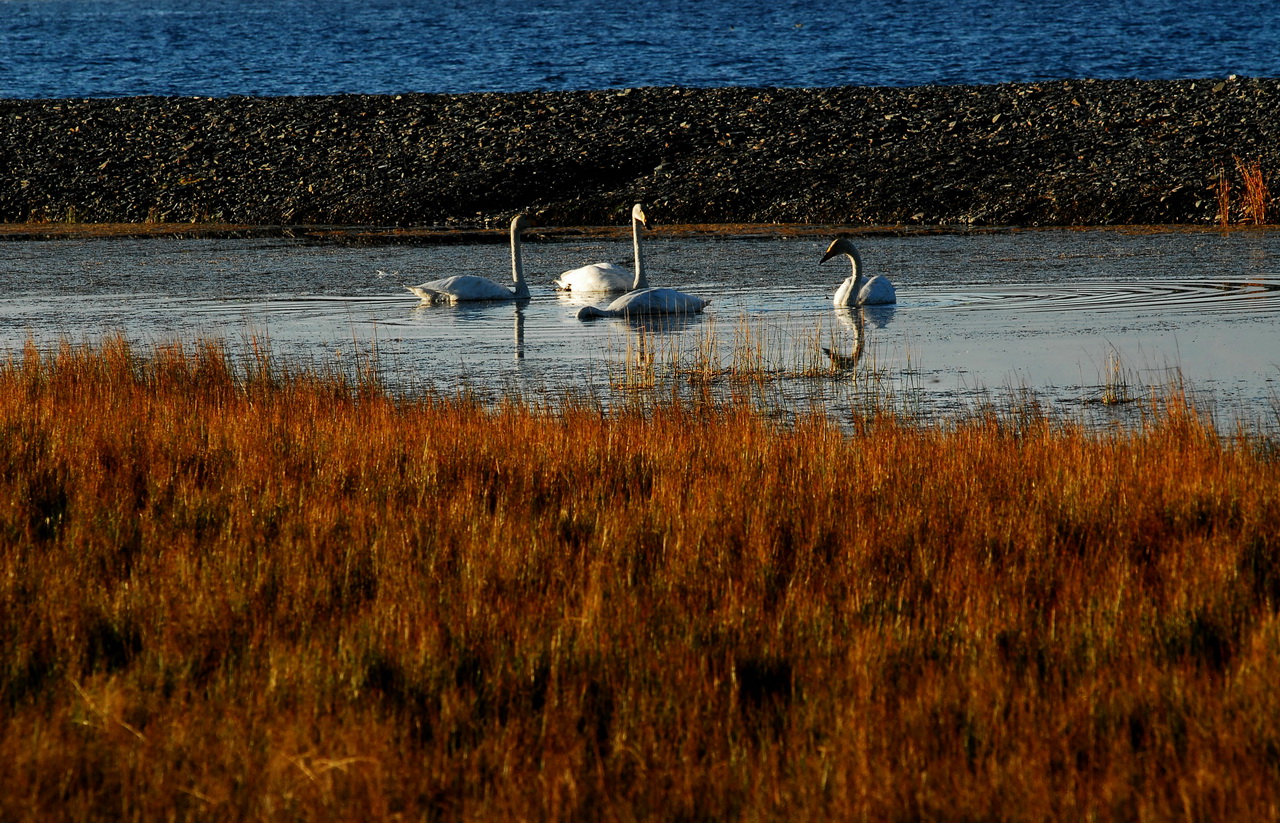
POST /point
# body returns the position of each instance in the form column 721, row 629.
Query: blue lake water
column 108, row 48
column 1060, row 315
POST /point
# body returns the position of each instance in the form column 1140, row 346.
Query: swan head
column 637, row 213
column 841, row 245
column 520, row 222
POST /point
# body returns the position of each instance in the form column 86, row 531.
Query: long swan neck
column 641, row 281
column 855, row 260
column 517, row 264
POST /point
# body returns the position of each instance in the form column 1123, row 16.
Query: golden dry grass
column 1224, row 198
column 1256, row 196
column 233, row 592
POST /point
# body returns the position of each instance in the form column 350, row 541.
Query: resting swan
column 858, row 290
column 647, row 301
column 605, row 277
column 470, row 287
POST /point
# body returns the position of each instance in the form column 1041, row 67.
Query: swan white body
column 609, row 277
column 647, row 301
column 470, row 287
column 597, row 277
column 857, row 290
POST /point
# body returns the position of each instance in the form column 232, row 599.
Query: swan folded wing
column 461, row 287
column 666, row 301
column 596, row 277
column 879, row 291
column 660, row 301
column 647, row 301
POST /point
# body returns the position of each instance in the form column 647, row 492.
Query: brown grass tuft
column 232, row 590
column 1256, row 196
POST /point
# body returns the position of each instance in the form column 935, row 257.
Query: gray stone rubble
column 1056, row 153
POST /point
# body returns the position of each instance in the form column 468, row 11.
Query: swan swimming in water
column 858, row 290
column 647, row 301
column 470, row 287
column 606, row 277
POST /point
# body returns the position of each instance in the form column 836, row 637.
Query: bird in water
column 470, row 287
column 858, row 290
column 647, row 302
column 608, row 277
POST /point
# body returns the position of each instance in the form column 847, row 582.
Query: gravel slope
column 1061, row 153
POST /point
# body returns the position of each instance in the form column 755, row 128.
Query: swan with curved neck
column 858, row 290
column 470, row 287
column 607, row 277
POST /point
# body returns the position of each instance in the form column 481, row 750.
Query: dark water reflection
column 1061, row 313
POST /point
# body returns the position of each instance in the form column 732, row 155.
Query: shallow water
column 1064, row 315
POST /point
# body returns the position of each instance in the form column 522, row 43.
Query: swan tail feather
column 429, row 296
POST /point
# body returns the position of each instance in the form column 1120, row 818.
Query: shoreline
column 1061, row 153
column 436, row 236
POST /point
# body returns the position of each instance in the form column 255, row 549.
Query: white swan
column 470, row 287
column 606, row 277
column 647, row 301
column 858, row 290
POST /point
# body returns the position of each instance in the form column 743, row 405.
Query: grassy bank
column 232, row 592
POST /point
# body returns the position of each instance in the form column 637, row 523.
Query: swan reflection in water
column 475, row 312
column 660, row 323
column 519, row 322
column 577, row 298
column 877, row 316
column 853, row 320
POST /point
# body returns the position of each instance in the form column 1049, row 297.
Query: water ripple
column 91, row 48
column 1184, row 296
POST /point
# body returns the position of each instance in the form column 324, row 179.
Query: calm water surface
column 111, row 48
column 1059, row 313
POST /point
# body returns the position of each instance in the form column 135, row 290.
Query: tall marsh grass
column 1255, row 196
column 232, row 591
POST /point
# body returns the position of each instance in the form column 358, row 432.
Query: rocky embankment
column 1054, row 153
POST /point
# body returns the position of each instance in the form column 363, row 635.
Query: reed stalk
column 1256, row 196
column 1224, row 198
